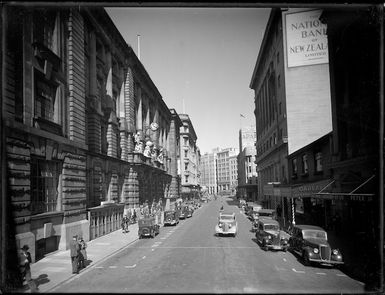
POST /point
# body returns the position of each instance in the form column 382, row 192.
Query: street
column 189, row 258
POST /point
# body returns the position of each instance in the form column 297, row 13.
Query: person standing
column 74, row 252
column 124, row 224
column 83, row 253
column 25, row 268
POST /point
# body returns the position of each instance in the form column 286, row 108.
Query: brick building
column 87, row 135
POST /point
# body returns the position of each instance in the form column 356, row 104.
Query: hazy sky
column 201, row 60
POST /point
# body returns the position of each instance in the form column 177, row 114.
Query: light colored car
column 227, row 225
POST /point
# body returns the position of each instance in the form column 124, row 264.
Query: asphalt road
column 189, row 258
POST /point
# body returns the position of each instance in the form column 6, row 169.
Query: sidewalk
column 55, row 269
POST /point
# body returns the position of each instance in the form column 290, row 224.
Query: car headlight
column 268, row 237
column 220, row 224
column 229, row 225
column 315, row 250
column 335, row 252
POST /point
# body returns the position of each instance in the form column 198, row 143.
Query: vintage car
column 269, row 235
column 311, row 244
column 227, row 225
column 242, row 203
column 171, row 217
column 267, row 213
column 186, row 211
column 148, row 227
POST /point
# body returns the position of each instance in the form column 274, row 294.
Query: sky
column 201, row 60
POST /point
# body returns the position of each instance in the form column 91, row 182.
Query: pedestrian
column 134, row 216
column 124, row 223
column 25, row 261
column 83, row 253
column 74, row 252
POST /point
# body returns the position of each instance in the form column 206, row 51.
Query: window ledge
column 48, row 125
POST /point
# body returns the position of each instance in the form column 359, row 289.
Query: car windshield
column 226, row 217
column 271, row 227
column 317, row 234
column 265, row 214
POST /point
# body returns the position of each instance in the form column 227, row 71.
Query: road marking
column 143, row 257
column 155, row 245
column 321, row 273
column 99, row 266
column 103, row 244
column 163, row 238
column 113, row 266
column 130, row 266
column 298, row 271
column 280, row 268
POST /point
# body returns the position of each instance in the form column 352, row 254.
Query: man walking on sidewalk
column 74, row 252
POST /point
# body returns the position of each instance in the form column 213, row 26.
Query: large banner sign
column 306, row 39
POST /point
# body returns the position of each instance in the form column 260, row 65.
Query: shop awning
column 308, row 190
column 352, row 196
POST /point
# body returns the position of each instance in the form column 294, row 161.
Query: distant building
column 189, row 159
column 224, row 169
column 209, row 172
column 247, row 168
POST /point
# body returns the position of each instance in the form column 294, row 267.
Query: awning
column 348, row 196
column 310, row 189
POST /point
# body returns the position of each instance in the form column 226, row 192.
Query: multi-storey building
column 268, row 83
column 223, row 169
column 189, row 158
column 208, row 173
column 247, row 168
column 86, row 133
column 233, row 169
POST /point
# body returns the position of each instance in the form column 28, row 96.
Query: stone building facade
column 268, row 83
column 87, row 134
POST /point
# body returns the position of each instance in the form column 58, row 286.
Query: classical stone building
column 87, row 135
column 209, row 173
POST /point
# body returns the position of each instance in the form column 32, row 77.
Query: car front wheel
column 305, row 258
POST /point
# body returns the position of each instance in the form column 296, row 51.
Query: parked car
column 242, row 203
column 268, row 234
column 267, row 213
column 186, row 211
column 227, row 224
column 148, row 227
column 171, row 217
column 311, row 244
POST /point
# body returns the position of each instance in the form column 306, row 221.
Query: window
column 318, row 162
column 279, row 81
column 185, row 166
column 185, row 153
column 186, row 178
column 294, row 167
column 280, row 108
column 44, row 29
column 277, row 57
column 305, row 167
column 44, row 183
